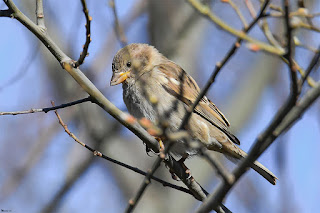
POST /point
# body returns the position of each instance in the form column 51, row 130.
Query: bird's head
column 133, row 61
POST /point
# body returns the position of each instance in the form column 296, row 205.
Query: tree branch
column 206, row 12
column 67, row 64
column 40, row 15
column 5, row 13
column 117, row 28
column 266, row 138
column 221, row 64
column 84, row 52
column 99, row 154
column 47, row 109
column 312, row 64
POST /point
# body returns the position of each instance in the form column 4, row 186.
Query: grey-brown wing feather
column 188, row 91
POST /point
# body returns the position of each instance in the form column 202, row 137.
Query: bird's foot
column 185, row 168
column 181, row 162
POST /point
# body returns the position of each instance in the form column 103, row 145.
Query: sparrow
column 158, row 89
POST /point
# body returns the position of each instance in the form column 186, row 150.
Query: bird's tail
column 233, row 152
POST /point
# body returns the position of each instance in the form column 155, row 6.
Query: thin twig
column 132, row 203
column 47, row 109
column 307, row 47
column 292, row 116
column 221, row 64
column 306, row 26
column 117, row 28
column 238, row 11
column 84, row 52
column 99, row 154
column 206, row 12
column 312, row 64
column 67, row 64
column 265, row 139
column 185, row 120
column 5, row 13
column 40, row 15
column 271, row 38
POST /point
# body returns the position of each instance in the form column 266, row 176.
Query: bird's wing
column 188, row 91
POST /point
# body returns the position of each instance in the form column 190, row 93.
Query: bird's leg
column 162, row 155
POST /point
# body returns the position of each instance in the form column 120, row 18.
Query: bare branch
column 99, row 154
column 40, row 15
column 47, row 109
column 206, row 12
column 117, row 28
column 298, row 110
column 84, row 52
column 292, row 116
column 265, row 139
column 312, row 64
column 5, row 13
column 156, row 164
column 238, row 11
column 86, row 84
column 221, row 64
column 271, row 38
column 289, row 55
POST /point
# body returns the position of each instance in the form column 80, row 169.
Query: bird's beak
column 118, row 78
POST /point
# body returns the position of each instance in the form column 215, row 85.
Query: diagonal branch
column 185, row 120
column 265, row 139
column 99, row 154
column 206, row 12
column 221, row 64
column 67, row 64
column 292, row 116
column 313, row 63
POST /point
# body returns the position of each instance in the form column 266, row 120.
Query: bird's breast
column 137, row 103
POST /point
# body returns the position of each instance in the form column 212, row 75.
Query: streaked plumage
column 145, row 73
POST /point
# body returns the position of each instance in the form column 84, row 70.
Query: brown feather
column 189, row 91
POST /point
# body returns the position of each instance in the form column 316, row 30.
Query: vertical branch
column 117, row 28
column 84, row 52
column 40, row 15
column 289, row 55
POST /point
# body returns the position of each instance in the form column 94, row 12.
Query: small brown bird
column 148, row 77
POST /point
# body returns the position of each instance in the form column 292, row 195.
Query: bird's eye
column 113, row 66
column 129, row 64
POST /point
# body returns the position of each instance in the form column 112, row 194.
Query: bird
column 156, row 88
